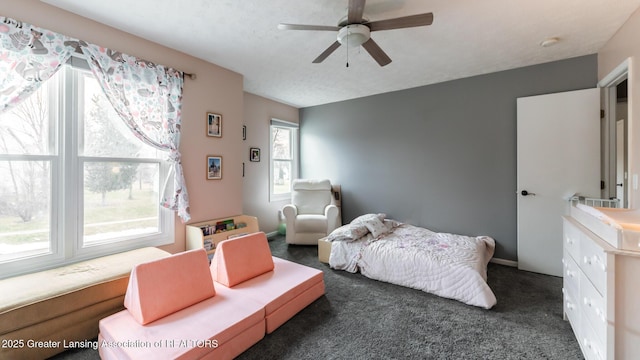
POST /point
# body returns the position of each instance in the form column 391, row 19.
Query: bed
column 448, row 265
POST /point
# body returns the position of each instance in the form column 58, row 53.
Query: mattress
column 448, row 265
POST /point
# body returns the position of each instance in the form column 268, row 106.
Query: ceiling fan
column 355, row 30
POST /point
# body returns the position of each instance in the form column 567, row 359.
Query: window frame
column 66, row 228
column 295, row 156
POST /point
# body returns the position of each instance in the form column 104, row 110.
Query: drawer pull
column 571, row 273
column 587, row 301
column 596, row 259
column 570, row 306
column 600, row 315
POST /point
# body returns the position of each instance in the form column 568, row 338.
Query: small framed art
column 254, row 154
column 244, row 132
column 214, row 125
column 214, row 167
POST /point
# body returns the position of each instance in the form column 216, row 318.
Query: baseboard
column 504, row 262
column 272, row 234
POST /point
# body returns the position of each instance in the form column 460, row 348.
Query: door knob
column 526, row 193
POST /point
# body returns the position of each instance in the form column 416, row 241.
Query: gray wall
column 441, row 156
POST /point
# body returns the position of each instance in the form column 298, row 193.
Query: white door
column 558, row 156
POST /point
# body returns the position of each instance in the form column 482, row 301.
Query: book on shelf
column 224, row 225
column 207, row 230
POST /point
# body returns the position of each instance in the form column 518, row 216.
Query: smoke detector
column 549, row 42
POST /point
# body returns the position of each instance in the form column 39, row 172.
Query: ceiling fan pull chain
column 347, row 46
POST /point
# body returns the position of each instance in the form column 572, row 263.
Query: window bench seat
column 43, row 311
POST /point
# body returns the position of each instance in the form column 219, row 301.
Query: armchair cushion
column 311, row 223
column 311, row 196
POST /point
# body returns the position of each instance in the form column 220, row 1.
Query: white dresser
column 601, row 294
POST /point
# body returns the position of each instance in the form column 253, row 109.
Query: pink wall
column 215, row 90
column 624, row 44
column 258, row 112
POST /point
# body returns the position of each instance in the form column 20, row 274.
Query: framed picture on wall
column 214, row 167
column 214, row 125
column 254, row 154
column 244, row 132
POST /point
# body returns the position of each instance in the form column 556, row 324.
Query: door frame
column 608, row 135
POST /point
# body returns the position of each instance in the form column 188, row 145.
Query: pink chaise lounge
column 176, row 309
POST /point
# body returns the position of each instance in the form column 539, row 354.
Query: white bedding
column 447, row 265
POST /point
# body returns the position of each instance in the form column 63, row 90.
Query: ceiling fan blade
column 356, row 9
column 376, row 52
column 327, row 52
column 401, row 22
column 307, row 27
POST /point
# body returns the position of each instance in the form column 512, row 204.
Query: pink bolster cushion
column 161, row 287
column 240, row 259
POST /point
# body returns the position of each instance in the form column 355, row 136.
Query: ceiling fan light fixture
column 354, row 35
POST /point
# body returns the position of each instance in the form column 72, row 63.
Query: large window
column 74, row 181
column 283, row 158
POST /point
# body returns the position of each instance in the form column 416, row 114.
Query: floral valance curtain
column 29, row 56
column 147, row 96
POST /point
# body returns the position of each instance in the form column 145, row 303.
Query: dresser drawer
column 571, row 274
column 593, row 308
column 591, row 346
column 571, row 237
column 593, row 262
column 572, row 311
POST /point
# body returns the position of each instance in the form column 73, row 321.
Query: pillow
column 349, row 232
column 373, row 222
column 365, row 217
column 376, row 227
column 391, row 224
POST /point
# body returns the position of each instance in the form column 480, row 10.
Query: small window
column 283, row 159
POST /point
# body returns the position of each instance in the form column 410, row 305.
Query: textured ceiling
column 468, row 37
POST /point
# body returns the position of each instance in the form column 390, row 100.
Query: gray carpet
column 359, row 318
